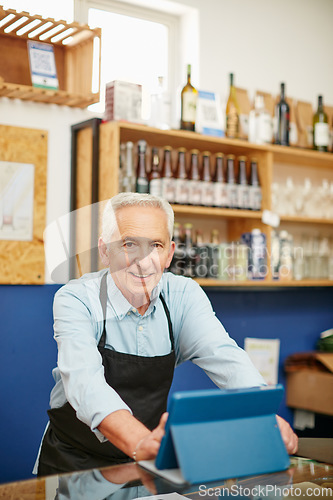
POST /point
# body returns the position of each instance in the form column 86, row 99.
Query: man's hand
column 130, row 435
column 147, row 448
column 289, row 437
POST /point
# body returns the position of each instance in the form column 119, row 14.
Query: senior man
column 120, row 333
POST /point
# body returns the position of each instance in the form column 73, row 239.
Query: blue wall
column 28, row 353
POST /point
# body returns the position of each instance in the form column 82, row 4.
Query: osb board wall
column 22, row 262
column 83, row 201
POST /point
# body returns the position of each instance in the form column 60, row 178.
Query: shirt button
column 140, row 328
column 134, row 310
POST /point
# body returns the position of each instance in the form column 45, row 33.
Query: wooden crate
column 74, row 56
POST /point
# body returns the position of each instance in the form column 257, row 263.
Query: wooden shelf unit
column 232, row 222
column 73, row 46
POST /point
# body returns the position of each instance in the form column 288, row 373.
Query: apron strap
column 167, row 312
column 103, row 300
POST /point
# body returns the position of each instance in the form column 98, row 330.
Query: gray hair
column 121, row 200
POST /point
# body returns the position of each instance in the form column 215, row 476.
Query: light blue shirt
column 78, row 323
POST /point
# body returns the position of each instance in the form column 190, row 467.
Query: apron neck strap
column 103, row 300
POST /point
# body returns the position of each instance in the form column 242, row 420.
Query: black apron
column 142, row 382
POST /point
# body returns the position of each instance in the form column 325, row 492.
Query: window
column 138, row 45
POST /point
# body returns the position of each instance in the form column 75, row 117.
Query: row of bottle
column 311, row 259
column 247, row 258
column 227, row 185
column 241, row 260
column 262, row 128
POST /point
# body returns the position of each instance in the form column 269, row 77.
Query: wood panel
column 83, row 201
column 22, row 262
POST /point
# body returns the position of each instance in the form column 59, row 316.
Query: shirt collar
column 120, row 304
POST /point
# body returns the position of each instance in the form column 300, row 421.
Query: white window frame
column 81, row 10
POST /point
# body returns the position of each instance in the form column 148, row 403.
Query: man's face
column 139, row 251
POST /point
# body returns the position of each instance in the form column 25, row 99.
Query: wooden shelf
column 183, row 138
column 207, row 282
column 230, row 222
column 298, row 219
column 215, row 212
column 73, row 46
column 60, row 97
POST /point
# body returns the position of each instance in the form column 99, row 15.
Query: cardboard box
column 123, row 101
column 310, row 382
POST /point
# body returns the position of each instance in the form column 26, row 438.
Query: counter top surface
column 304, row 478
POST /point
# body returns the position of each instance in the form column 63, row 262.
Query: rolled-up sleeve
column 79, row 361
column 203, row 340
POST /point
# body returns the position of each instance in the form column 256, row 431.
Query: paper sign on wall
column 16, row 200
column 42, row 65
column 264, row 354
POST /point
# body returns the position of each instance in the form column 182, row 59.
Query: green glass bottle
column 320, row 128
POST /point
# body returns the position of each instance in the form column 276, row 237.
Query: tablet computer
column 217, row 434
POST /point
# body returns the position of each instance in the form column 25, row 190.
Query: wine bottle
column 282, row 120
column 189, row 97
column 320, row 128
column 232, row 111
column 142, row 184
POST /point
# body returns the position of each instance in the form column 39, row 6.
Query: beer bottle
column 231, row 184
column 207, row 189
column 142, row 183
column 194, row 183
column 219, row 183
column 178, row 259
column 242, row 186
column 213, row 255
column 155, row 185
column 167, row 178
column 181, row 181
column 200, row 256
column 189, row 251
column 254, row 188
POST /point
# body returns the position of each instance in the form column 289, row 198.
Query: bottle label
column 265, row 129
column 243, row 196
column 255, row 197
column 189, row 109
column 168, row 189
column 232, row 122
column 142, row 185
column 220, row 194
column 155, row 187
column 232, row 195
column 207, row 193
column 181, row 191
column 321, row 134
column 194, row 192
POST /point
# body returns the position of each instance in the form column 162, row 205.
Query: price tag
column 270, row 218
